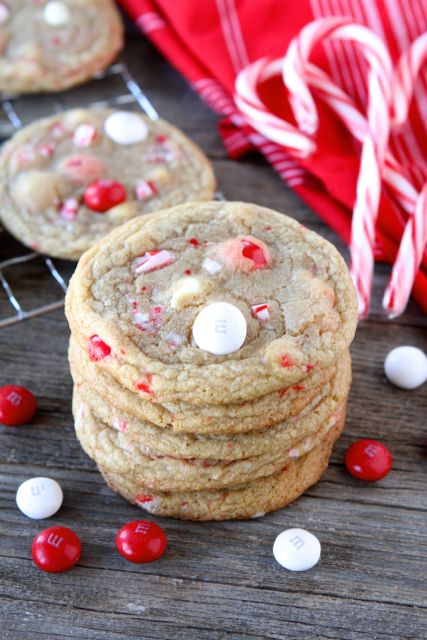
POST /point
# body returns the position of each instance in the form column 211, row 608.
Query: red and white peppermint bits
column 260, row 312
column 102, row 195
column 17, row 405
column 255, row 253
column 153, row 260
column 141, row 541
column 84, row 135
column 97, row 349
column 56, row 549
column 368, row 460
column 69, row 209
column 145, row 190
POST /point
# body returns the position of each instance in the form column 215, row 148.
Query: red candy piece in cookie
column 144, row 386
column 243, row 254
column 255, row 253
column 97, row 349
column 17, row 405
column 56, row 549
column 153, row 260
column 368, row 460
column 141, row 541
column 103, row 195
column 286, row 361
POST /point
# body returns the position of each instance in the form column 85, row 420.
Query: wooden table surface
column 216, row 580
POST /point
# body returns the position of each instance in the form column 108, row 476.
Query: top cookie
column 67, row 180
column 50, row 46
column 140, row 303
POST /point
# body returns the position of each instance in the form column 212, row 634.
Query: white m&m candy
column 124, row 127
column 220, row 328
column 297, row 549
column 39, row 498
column 406, row 367
column 56, row 14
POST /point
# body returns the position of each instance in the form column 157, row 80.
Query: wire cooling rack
column 118, row 88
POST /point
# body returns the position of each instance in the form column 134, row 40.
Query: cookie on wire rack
column 55, row 45
column 69, row 179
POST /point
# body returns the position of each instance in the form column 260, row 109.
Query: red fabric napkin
column 211, row 41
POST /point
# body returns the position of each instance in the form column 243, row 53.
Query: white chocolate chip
column 186, row 291
column 56, row 14
column 122, row 212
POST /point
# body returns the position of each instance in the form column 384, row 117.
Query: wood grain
column 216, row 581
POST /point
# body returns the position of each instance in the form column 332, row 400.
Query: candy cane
column 258, row 116
column 343, row 105
column 414, row 238
column 407, row 70
column 375, row 144
column 401, row 188
column 408, row 259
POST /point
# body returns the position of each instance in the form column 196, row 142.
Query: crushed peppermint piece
column 153, row 260
column 286, row 361
column 84, row 135
column 98, row 349
column 57, row 130
column 254, row 252
column 145, row 386
column 261, row 312
column 211, row 266
column 174, row 340
column 145, row 190
column 46, row 150
column 69, row 209
column 150, row 321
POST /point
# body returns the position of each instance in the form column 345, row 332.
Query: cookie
column 248, row 501
column 51, row 46
column 67, row 180
column 104, row 391
column 122, row 453
column 132, row 305
column 158, row 443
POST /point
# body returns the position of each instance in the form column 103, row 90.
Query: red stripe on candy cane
column 375, row 145
column 408, row 259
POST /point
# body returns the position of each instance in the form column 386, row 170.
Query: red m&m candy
column 141, row 541
column 17, row 405
column 368, row 460
column 56, row 549
column 102, row 195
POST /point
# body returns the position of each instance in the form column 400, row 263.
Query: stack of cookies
column 209, row 352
